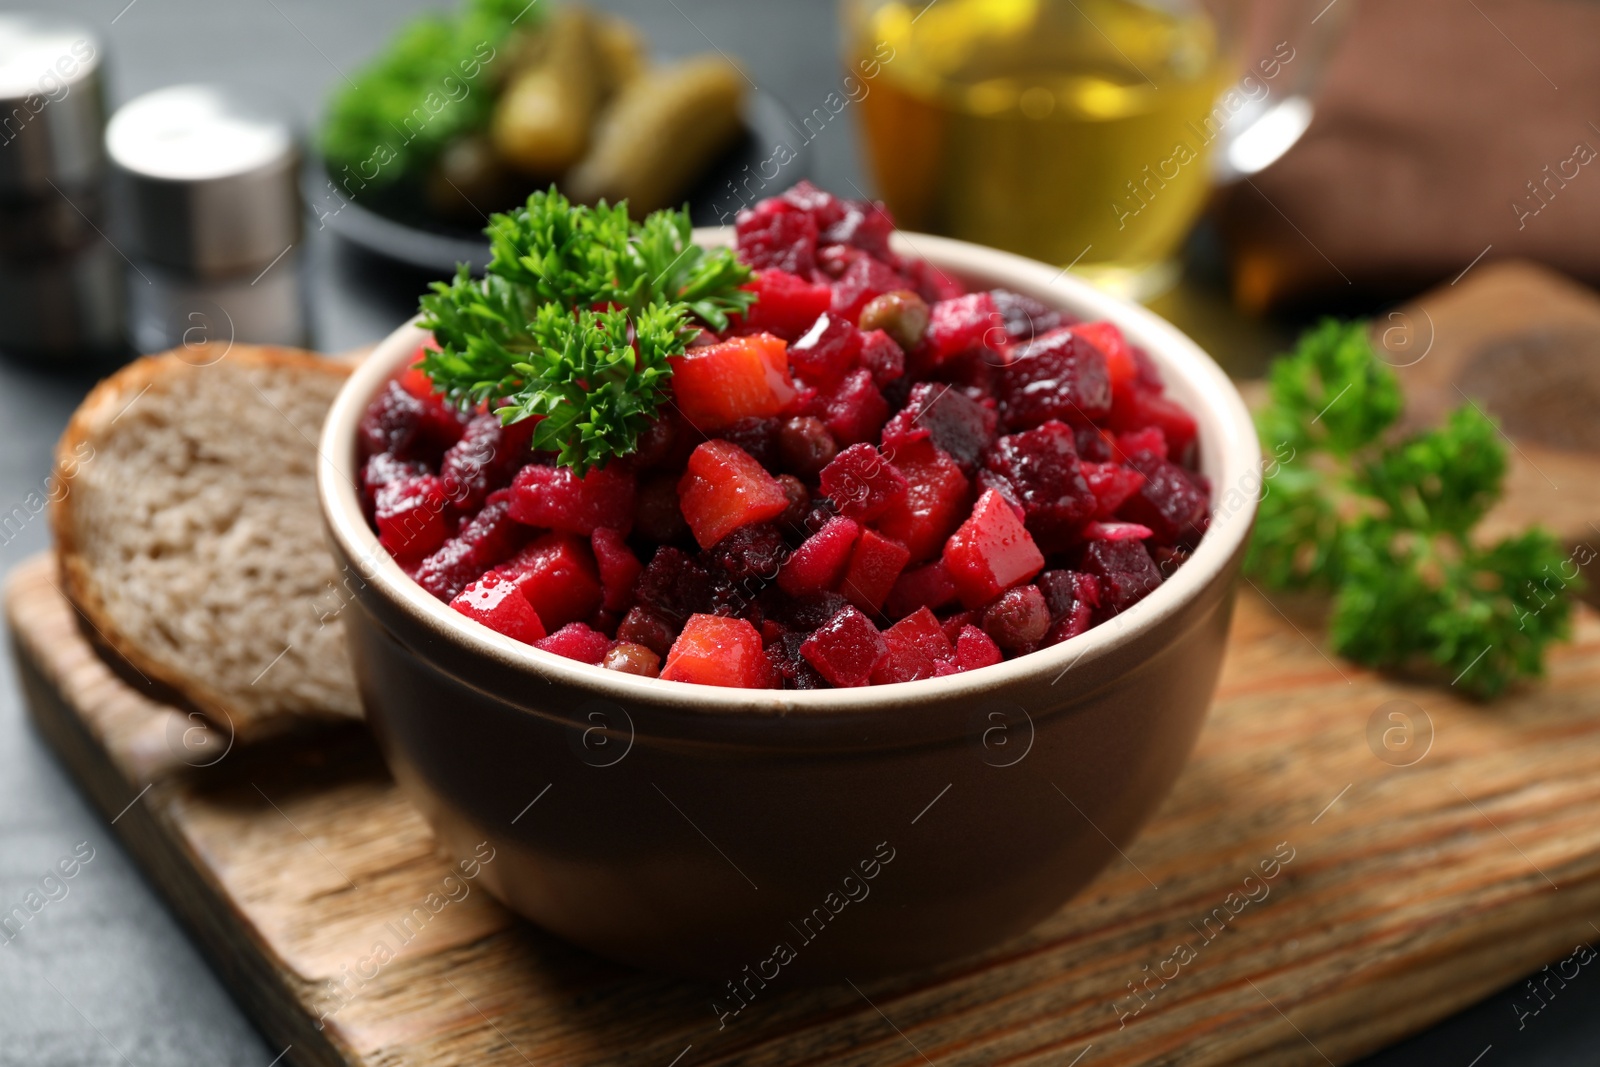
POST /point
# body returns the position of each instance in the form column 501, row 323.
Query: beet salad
column 810, row 462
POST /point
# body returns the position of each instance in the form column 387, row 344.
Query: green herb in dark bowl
column 431, row 85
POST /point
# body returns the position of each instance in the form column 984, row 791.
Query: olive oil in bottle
column 1072, row 131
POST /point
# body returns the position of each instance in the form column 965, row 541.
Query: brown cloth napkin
column 1447, row 130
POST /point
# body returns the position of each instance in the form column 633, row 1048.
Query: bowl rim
column 1230, row 451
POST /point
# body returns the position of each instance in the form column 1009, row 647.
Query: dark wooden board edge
column 136, row 814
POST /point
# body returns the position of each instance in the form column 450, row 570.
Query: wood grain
column 1411, row 891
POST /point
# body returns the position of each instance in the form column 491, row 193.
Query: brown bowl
column 744, row 835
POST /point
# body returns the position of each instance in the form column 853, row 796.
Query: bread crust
column 88, row 425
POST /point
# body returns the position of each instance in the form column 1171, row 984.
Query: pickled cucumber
column 660, row 133
column 541, row 123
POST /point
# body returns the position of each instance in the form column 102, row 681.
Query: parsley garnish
column 1385, row 525
column 576, row 319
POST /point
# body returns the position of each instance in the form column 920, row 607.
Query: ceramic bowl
column 753, row 836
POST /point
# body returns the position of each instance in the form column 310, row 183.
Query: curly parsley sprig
column 576, row 319
column 1386, row 525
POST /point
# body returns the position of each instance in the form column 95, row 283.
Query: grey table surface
column 105, row 974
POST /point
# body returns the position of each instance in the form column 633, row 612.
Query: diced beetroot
column 441, row 424
column 959, row 425
column 410, row 516
column 1170, row 502
column 934, row 503
column 1148, row 439
column 1070, row 625
column 777, row 235
column 882, row 357
column 778, row 432
column 834, row 260
column 674, row 585
column 1024, row 317
column 1095, row 445
column 619, row 568
column 975, row 649
column 988, row 479
column 751, row 553
column 955, row 623
column 1112, row 484
column 757, row 436
column 383, row 468
column 790, row 667
column 657, row 516
column 916, row 644
column 713, row 650
column 846, row 649
column 666, row 442
column 826, row 352
column 991, row 552
column 392, row 422
column 865, row 225
column 1072, row 598
column 1138, row 406
column 486, row 539
column 1042, row 469
column 1106, row 337
column 717, row 385
column 1055, row 377
column 577, row 641
column 557, row 574
column 965, row 322
column 809, row 611
column 1115, row 531
column 823, row 207
column 1149, row 373
column 556, row 498
column 1168, row 558
column 1126, row 572
column 925, row 587
column 862, row 282
column 874, row 565
column 723, row 489
column 820, row 561
column 855, row 411
column 862, row 482
column 786, row 304
column 499, row 604
column 450, row 569
column 932, row 283
column 481, row 461
column 973, row 372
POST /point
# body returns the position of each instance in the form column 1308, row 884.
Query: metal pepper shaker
column 60, row 278
column 205, row 181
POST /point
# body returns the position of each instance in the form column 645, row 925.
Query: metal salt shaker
column 206, row 186
column 60, row 279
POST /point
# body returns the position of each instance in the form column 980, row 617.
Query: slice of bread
column 189, row 537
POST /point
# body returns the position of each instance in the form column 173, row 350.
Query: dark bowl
column 399, row 227
column 825, row 834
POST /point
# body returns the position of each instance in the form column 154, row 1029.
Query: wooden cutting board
column 1346, row 860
